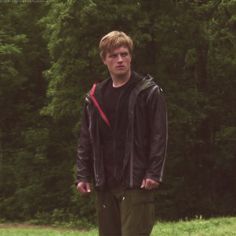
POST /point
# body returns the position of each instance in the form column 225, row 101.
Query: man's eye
column 124, row 54
column 113, row 55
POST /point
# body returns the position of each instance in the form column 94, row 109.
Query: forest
column 49, row 60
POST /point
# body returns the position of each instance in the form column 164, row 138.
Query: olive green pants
column 125, row 212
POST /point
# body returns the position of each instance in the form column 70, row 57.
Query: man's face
column 118, row 61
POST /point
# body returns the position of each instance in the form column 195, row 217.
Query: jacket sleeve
column 84, row 149
column 157, row 117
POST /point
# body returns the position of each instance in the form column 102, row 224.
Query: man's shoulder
column 148, row 85
column 101, row 83
column 95, row 90
column 146, row 81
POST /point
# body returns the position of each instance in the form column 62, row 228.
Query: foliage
column 23, row 134
column 48, row 61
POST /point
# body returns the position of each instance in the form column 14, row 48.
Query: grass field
column 200, row 227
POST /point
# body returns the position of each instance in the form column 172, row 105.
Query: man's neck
column 119, row 81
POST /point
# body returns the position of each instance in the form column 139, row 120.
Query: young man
column 122, row 143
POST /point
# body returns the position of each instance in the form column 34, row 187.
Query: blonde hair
column 114, row 40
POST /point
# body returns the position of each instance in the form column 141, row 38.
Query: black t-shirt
column 115, row 104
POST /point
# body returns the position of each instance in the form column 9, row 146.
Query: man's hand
column 149, row 184
column 84, row 188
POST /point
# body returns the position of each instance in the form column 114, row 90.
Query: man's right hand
column 84, row 188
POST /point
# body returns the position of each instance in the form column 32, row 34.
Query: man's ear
column 104, row 61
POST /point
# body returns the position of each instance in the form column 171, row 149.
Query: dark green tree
column 24, row 134
column 49, row 60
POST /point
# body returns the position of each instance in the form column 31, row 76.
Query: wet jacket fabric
column 145, row 141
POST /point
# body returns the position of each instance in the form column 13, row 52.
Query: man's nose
column 119, row 58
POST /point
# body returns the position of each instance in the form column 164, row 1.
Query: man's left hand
column 149, row 184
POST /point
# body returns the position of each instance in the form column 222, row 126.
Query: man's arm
column 157, row 116
column 84, row 152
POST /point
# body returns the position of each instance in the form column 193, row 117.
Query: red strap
column 96, row 104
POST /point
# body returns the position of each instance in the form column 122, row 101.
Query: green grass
column 200, row 227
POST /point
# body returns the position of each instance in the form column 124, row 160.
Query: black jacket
column 146, row 140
